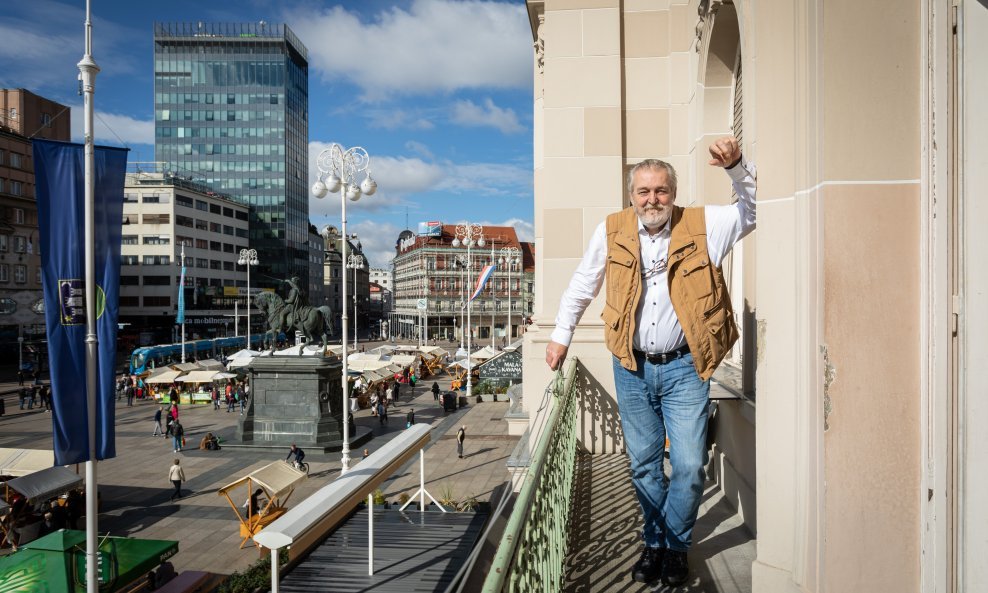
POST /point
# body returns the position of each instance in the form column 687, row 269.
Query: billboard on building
column 433, row 228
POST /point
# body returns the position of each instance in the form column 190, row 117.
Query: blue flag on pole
column 180, row 318
column 60, row 181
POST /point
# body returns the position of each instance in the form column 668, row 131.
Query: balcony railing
column 532, row 551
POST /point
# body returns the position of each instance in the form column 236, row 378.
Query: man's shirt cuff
column 561, row 336
column 740, row 171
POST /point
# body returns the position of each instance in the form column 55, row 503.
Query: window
column 20, row 244
column 228, row 266
column 15, row 160
column 157, row 281
column 228, row 212
column 130, row 198
column 215, row 246
column 157, row 301
column 215, row 227
column 4, row 272
column 16, row 187
column 227, row 230
column 156, row 218
column 202, row 225
column 227, row 248
column 129, row 260
column 184, row 201
column 128, row 239
column 129, row 280
column 4, row 239
column 202, row 262
column 202, row 244
column 157, row 260
column 215, row 209
column 154, row 199
column 37, row 275
column 130, row 301
column 20, row 274
column 214, row 264
column 157, row 240
column 185, row 221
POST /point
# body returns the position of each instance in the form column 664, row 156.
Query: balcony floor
column 605, row 536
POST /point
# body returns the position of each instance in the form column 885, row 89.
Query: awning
column 49, row 563
column 404, row 360
column 248, row 354
column 198, row 377
column 165, row 377
column 46, row 483
column 277, row 479
column 185, row 366
column 224, row 375
column 21, row 462
column 375, row 375
column 210, row 364
column 484, row 353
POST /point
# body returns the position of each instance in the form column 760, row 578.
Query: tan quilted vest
column 696, row 288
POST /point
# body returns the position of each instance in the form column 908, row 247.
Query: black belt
column 664, row 357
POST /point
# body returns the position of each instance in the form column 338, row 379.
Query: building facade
column 850, row 449
column 231, row 106
column 22, row 115
column 429, row 271
column 162, row 214
column 358, row 289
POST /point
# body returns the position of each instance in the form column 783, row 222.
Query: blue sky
column 438, row 91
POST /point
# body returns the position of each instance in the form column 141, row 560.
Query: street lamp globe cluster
column 248, row 257
column 469, row 234
column 338, row 171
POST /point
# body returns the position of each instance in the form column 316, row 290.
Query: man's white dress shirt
column 657, row 327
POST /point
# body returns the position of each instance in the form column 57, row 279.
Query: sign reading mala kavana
column 60, row 179
column 506, row 366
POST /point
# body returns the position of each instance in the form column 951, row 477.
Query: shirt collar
column 643, row 231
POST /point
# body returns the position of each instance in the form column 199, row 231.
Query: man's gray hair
column 653, row 164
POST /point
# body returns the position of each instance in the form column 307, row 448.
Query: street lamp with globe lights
column 248, row 257
column 509, row 256
column 355, row 262
column 467, row 235
column 338, row 170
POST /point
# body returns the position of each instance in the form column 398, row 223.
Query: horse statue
column 313, row 322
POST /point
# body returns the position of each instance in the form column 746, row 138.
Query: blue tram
column 146, row 358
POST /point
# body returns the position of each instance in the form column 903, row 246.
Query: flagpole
column 87, row 72
column 182, row 290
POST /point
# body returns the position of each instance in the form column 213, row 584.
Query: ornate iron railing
column 532, row 551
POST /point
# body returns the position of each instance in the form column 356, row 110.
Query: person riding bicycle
column 296, row 452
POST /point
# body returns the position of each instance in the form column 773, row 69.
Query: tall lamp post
column 338, row 169
column 509, row 257
column 248, row 257
column 469, row 234
column 355, row 262
column 461, row 262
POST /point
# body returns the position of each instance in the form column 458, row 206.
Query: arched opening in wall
column 722, row 113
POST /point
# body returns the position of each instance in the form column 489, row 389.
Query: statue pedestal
column 294, row 399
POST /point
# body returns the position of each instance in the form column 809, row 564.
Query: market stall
column 57, row 562
column 43, row 485
column 21, row 462
column 197, row 385
column 277, row 481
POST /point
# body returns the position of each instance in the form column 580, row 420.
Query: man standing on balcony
column 668, row 322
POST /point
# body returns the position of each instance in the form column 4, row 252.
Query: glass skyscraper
column 231, row 104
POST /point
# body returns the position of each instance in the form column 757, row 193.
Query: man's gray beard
column 661, row 215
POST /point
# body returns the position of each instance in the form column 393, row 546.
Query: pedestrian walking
column 215, row 396
column 382, row 413
column 178, row 435
column 20, row 376
column 242, row 398
column 177, row 476
column 34, row 396
column 130, row 397
column 23, row 396
column 397, row 390
column 46, row 397
column 410, row 418
column 435, row 390
column 461, row 435
column 157, row 422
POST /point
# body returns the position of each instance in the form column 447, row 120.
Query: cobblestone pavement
column 135, row 491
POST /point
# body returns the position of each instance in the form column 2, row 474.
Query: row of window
column 205, row 206
column 220, row 98
column 168, row 150
column 218, row 115
column 190, row 281
column 14, row 188
column 264, row 132
column 250, row 166
column 180, row 240
column 202, row 225
column 20, row 244
column 14, row 160
column 20, row 273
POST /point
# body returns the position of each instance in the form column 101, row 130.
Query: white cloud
column 488, row 179
column 377, row 240
column 420, row 149
column 396, row 119
column 468, row 113
column 430, row 46
column 114, row 128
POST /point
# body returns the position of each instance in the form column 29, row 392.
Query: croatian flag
column 485, row 275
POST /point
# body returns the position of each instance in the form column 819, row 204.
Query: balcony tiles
column 605, row 540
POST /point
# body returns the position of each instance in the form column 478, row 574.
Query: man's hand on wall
column 725, row 152
column 555, row 354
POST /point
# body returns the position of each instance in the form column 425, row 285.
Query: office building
column 22, row 115
column 162, row 213
column 231, row 106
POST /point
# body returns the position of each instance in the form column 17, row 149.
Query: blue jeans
column 176, row 442
column 656, row 401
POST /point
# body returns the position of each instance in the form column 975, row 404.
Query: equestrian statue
column 294, row 313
